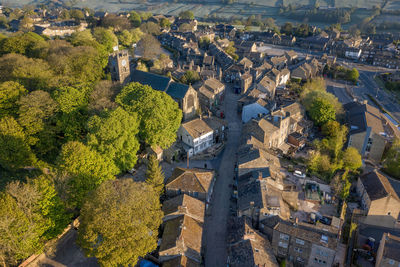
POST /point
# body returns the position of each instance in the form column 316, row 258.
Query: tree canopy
column 120, row 222
column 10, row 93
column 15, row 152
column 29, row 214
column 159, row 114
column 114, row 136
column 186, row 15
column 321, row 111
column 82, row 170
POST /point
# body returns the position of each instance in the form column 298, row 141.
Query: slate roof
column 196, row 128
column 392, row 247
column 177, row 90
column 309, row 233
column 185, row 204
column 156, row 81
column 182, row 228
column 377, row 186
column 194, row 180
column 180, row 261
column 248, row 248
column 360, row 116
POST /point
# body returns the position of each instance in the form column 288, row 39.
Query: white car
column 299, row 174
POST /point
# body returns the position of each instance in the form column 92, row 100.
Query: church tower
column 119, row 66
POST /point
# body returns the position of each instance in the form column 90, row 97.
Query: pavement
column 215, row 226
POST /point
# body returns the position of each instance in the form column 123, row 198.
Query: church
column 185, row 95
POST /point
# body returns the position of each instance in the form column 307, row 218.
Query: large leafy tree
column 15, row 152
column 321, row 111
column 35, row 112
column 82, row 170
column 135, row 19
column 73, row 105
column 155, row 175
column 120, row 222
column 10, row 93
column 26, row 44
column 159, row 115
column 114, row 135
column 33, row 74
column 30, row 214
column 352, row 159
column 105, row 37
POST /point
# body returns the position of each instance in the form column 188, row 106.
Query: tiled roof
column 361, row 116
column 157, row 82
column 182, row 228
column 194, row 180
column 196, row 128
column 377, row 186
column 392, row 247
column 181, row 261
column 248, row 248
column 309, row 233
column 177, row 90
column 185, row 204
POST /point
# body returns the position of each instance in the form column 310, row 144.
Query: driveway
column 215, row 226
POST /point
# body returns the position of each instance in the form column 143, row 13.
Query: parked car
column 299, row 174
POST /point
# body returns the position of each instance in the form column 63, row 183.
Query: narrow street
column 215, row 229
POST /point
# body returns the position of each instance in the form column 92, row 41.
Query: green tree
column 331, row 128
column 114, row 136
column 30, row 214
column 10, row 93
column 190, row 77
column 25, row 44
column 352, row 159
column 186, row 15
column 120, row 223
column 321, row 111
column 154, row 175
column 77, row 14
column 70, row 98
column 33, row 74
column 353, row 75
column 82, row 170
column 35, row 111
column 105, row 37
column 135, row 19
column 165, row 23
column 392, row 159
column 231, row 50
column 159, row 115
column 125, row 38
column 15, row 152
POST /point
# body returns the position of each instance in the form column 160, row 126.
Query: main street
column 215, row 226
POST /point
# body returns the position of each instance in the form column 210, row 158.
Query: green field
column 240, row 9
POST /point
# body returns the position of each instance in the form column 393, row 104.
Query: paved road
column 340, row 93
column 215, row 228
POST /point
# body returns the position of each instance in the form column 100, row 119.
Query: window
column 324, row 238
column 391, row 262
column 284, row 237
column 299, row 241
column 283, row 244
column 299, row 250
